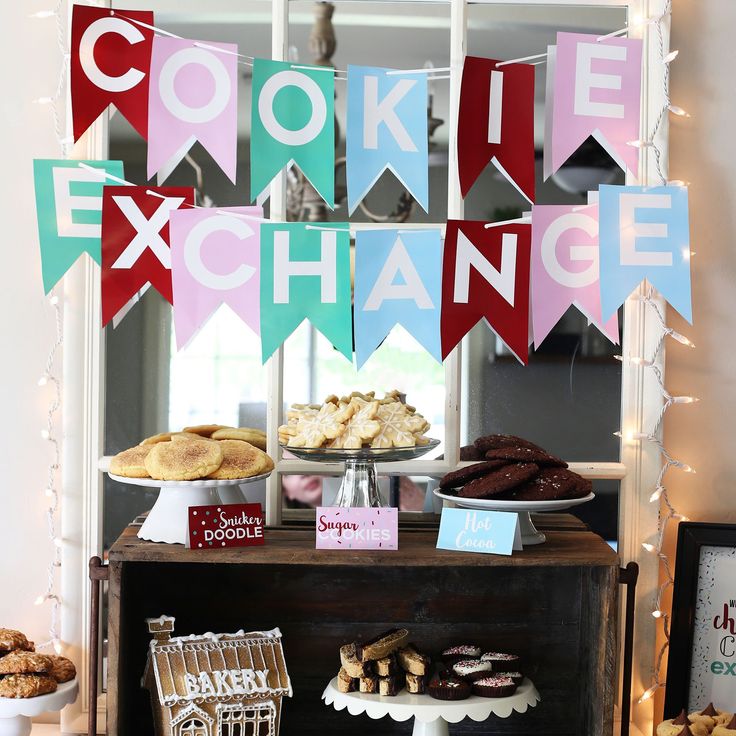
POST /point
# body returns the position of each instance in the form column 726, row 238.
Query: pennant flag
column 69, row 212
column 293, row 119
column 135, row 242
column 386, row 129
column 305, row 274
column 485, row 274
column 215, row 259
column 496, row 123
column 645, row 234
column 110, row 62
column 398, row 281
column 593, row 89
column 566, row 268
column 192, row 97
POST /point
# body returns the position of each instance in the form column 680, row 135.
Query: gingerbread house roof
column 178, row 663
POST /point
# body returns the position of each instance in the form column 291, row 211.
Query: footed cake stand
column 168, row 519
column 431, row 716
column 529, row 533
column 359, row 487
column 16, row 713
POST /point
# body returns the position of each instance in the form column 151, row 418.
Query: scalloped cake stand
column 168, row 520
column 16, row 713
column 431, row 716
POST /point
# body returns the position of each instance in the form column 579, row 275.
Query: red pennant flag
column 496, row 123
column 135, row 242
column 110, row 64
column 486, row 274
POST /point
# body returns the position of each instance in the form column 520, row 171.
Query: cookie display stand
column 16, row 713
column 529, row 533
column 431, row 716
column 359, row 485
column 168, row 519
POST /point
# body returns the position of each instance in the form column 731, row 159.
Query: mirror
column 567, row 399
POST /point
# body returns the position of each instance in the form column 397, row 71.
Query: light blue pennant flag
column 69, row 212
column 398, row 281
column 292, row 119
column 305, row 274
column 644, row 234
column 387, row 129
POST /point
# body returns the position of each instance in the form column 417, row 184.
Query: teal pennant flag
column 292, row 119
column 69, row 213
column 305, row 274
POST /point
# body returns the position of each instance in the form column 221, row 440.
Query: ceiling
column 402, row 35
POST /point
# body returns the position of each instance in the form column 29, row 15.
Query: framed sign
column 702, row 661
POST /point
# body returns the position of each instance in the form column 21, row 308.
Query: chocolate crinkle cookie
column 499, row 480
column 497, row 441
column 551, row 484
column 525, row 455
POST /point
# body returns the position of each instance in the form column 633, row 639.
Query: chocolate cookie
column 444, row 687
column 525, row 455
column 499, row 480
column 496, row 441
column 552, row 484
column 460, row 477
column 495, row 686
column 470, row 452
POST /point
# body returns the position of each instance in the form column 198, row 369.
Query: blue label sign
column 469, row 530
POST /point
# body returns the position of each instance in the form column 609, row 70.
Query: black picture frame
column 691, row 538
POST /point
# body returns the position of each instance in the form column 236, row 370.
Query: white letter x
column 147, row 231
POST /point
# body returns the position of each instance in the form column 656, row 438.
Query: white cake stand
column 16, row 713
column 529, row 533
column 431, row 716
column 168, row 520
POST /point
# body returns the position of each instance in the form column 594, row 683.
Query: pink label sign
column 358, row 528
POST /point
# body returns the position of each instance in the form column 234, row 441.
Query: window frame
column 84, row 391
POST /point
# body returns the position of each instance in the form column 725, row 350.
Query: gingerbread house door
column 245, row 719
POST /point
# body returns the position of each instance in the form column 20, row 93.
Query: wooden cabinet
column 554, row 604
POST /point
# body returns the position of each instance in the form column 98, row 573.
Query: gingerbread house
column 215, row 684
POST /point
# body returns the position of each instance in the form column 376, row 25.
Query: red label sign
column 225, row 525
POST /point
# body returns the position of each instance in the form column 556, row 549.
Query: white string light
column 48, row 377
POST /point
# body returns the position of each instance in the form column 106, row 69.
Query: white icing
column 495, row 681
column 464, row 649
column 467, row 666
column 491, row 656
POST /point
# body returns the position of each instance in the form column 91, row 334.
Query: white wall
column 30, row 60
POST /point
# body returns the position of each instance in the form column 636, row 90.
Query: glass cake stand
column 168, row 520
column 523, row 509
column 359, row 487
column 16, row 713
column 431, row 716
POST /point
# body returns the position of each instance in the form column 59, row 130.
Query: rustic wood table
column 555, row 604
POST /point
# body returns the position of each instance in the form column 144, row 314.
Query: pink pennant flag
column 192, row 97
column 593, row 89
column 215, row 259
column 565, row 268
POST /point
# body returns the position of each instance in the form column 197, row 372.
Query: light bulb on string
column 45, row 434
column 43, row 380
column 43, row 14
column 657, row 494
column 681, row 338
column 48, row 492
column 57, row 645
column 648, row 693
column 679, row 111
column 648, row 547
column 640, row 144
column 40, row 600
column 58, row 541
column 657, row 614
column 53, row 300
column 671, row 56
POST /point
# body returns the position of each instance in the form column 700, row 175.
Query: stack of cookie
column 355, row 421
column 205, row 451
column 24, row 673
column 709, row 721
column 467, row 670
column 513, row 469
column 384, row 665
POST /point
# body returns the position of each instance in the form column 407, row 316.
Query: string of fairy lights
column 49, row 380
column 667, row 512
column 660, row 495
